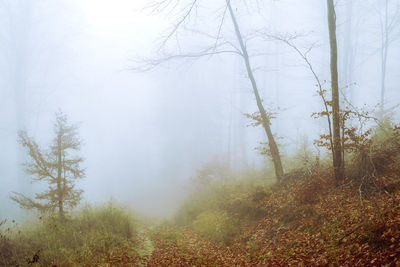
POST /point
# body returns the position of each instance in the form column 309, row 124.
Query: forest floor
column 308, row 223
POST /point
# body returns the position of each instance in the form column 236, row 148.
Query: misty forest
column 199, row 133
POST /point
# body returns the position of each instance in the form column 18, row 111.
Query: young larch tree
column 59, row 166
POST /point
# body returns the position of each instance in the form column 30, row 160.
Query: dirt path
column 146, row 248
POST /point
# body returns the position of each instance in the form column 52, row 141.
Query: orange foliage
column 309, row 223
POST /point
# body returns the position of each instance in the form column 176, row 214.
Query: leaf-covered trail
column 328, row 226
column 309, row 224
column 182, row 247
column 146, row 247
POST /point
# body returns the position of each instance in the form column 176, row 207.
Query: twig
column 352, row 231
column 277, row 233
column 360, row 191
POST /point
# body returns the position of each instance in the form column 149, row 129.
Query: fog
column 146, row 133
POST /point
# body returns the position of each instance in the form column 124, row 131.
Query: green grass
column 218, row 210
column 85, row 237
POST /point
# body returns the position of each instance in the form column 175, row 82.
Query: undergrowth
column 87, row 236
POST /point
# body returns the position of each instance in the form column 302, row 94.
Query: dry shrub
column 243, row 208
column 259, row 195
column 372, row 234
column 377, row 160
column 385, row 152
column 310, row 190
column 8, row 250
column 288, row 213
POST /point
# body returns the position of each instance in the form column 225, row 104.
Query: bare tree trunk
column 349, row 50
column 59, row 180
column 384, row 52
column 265, row 120
column 338, row 164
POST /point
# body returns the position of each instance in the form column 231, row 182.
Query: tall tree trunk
column 384, row 52
column 338, row 164
column 60, row 188
column 349, row 49
column 265, row 120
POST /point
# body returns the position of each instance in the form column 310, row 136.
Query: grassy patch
column 87, row 236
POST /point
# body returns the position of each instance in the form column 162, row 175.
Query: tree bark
column 338, row 164
column 349, row 50
column 265, row 120
column 59, row 178
column 384, row 52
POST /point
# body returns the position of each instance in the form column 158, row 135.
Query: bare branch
column 216, row 44
column 288, row 40
column 160, row 6
column 150, row 64
column 220, row 27
column 179, row 23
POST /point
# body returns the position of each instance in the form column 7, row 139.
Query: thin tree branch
column 304, row 55
column 178, row 24
column 150, row 64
